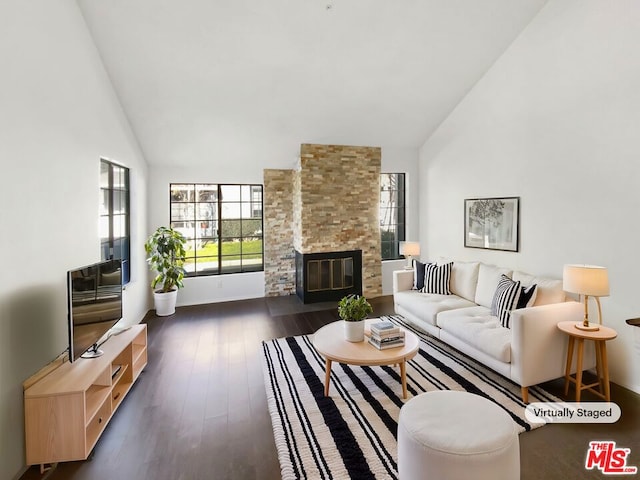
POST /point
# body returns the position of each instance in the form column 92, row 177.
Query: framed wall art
column 492, row 223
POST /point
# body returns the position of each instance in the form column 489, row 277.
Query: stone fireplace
column 329, row 204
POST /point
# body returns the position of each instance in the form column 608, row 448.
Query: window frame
column 219, row 225
column 397, row 213
column 112, row 196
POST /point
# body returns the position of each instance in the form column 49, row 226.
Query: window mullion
column 111, row 213
column 219, row 209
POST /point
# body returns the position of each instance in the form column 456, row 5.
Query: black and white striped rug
column 352, row 433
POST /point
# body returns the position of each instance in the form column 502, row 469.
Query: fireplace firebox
column 321, row 277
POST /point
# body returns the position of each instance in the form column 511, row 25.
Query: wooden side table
column 600, row 338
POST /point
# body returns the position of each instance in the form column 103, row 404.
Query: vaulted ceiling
column 206, row 81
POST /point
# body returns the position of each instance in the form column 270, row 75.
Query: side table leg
column 403, row 376
column 567, row 371
column 605, row 371
column 327, row 377
column 579, row 369
column 599, row 372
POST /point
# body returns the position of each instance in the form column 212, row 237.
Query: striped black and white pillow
column 505, row 299
column 436, row 278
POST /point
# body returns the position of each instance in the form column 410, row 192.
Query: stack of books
column 385, row 334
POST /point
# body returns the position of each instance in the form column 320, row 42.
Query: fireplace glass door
column 329, row 274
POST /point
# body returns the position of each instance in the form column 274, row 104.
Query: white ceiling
column 206, row 81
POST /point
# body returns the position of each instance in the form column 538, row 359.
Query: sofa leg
column 525, row 394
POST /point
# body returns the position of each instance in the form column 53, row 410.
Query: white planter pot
column 165, row 303
column 354, row 331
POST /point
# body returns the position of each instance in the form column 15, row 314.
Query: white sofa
column 530, row 352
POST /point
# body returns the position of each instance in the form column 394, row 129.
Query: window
column 114, row 215
column 222, row 224
column 392, row 205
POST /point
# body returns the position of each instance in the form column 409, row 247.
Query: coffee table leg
column 327, row 377
column 403, row 376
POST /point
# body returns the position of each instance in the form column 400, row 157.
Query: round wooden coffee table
column 330, row 343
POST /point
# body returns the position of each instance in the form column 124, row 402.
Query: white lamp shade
column 589, row 280
column 409, row 248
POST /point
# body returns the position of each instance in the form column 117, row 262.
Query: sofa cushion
column 488, row 278
column 505, row 299
column 549, row 290
column 427, row 306
column 436, row 278
column 464, row 278
column 478, row 328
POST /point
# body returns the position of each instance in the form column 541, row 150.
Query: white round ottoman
column 446, row 435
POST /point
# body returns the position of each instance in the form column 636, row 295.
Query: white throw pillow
column 488, row 278
column 549, row 290
column 464, row 278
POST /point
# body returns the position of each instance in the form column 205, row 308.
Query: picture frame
column 492, row 223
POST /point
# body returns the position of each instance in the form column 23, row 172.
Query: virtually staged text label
column 572, row 412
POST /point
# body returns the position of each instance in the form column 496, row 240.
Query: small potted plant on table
column 353, row 309
column 165, row 250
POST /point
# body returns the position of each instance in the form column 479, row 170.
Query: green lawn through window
column 230, row 250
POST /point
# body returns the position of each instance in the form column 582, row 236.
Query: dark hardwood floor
column 199, row 409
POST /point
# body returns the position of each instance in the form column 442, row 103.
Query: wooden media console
column 67, row 409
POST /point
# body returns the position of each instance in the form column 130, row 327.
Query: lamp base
column 409, row 264
column 592, row 327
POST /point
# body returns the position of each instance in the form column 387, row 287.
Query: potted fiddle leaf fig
column 166, row 254
column 353, row 309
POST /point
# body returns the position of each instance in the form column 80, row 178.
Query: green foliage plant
column 354, row 308
column 165, row 254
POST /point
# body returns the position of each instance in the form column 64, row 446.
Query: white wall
column 58, row 116
column 251, row 285
column 555, row 122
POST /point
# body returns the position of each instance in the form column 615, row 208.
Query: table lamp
column 409, row 250
column 587, row 281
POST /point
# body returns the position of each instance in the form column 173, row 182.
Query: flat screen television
column 95, row 306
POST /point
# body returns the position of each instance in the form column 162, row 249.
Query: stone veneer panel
column 339, row 205
column 297, row 211
column 279, row 255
